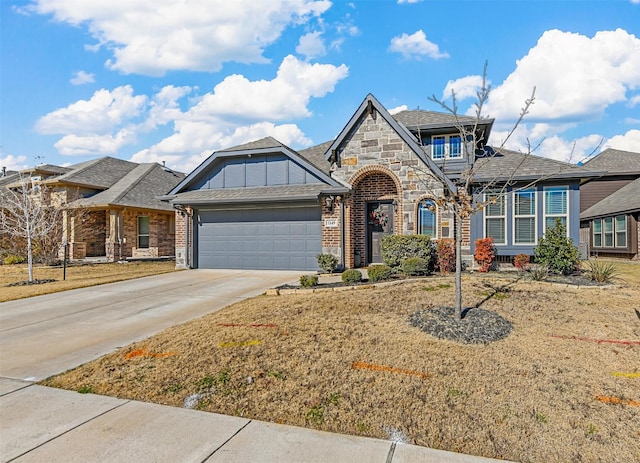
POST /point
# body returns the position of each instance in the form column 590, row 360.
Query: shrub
column 380, row 272
column 521, row 262
column 327, row 262
column 415, row 266
column 484, row 253
column 446, row 254
column 13, row 259
column 351, row 276
column 308, row 281
column 556, row 251
column 397, row 248
column 603, row 272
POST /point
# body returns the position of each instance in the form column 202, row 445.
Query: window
column 556, row 202
column 446, row 147
column 427, row 218
column 610, row 232
column 524, row 217
column 495, row 217
column 143, row 232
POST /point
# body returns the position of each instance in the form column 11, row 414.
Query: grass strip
column 627, row 375
column 248, row 325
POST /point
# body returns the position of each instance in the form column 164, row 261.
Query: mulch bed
column 477, row 326
column 33, row 282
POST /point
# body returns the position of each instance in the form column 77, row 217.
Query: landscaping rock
column 478, row 326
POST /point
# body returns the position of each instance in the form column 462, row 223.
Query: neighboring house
column 110, row 206
column 610, row 206
column 263, row 205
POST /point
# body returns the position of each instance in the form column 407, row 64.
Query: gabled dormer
column 440, row 136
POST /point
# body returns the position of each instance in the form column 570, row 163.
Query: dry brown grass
column 78, row 276
column 350, row 362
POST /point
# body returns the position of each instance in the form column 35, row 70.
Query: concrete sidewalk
column 41, row 424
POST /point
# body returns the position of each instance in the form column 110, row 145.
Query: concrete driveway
column 45, row 335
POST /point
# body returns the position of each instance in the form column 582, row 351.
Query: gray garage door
column 265, row 238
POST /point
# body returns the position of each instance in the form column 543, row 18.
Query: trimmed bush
column 416, row 266
column 397, row 248
column 557, row 252
column 308, row 281
column 351, row 276
column 13, row 259
column 446, row 254
column 484, row 253
column 521, row 262
column 327, row 262
column 380, row 272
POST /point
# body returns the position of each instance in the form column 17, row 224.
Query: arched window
column 428, row 218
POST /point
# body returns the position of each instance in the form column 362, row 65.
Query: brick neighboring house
column 110, row 206
column 610, row 206
column 264, row 205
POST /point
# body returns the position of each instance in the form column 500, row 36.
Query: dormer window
column 446, row 147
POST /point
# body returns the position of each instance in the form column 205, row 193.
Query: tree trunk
column 458, row 228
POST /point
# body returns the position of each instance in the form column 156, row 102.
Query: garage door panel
column 267, row 238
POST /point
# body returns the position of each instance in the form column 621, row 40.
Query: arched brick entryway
column 373, row 187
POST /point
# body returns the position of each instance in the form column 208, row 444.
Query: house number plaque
column 330, row 223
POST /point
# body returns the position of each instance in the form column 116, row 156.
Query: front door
column 379, row 224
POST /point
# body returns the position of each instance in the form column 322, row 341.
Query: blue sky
column 160, row 80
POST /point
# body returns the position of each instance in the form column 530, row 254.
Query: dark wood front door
column 379, row 224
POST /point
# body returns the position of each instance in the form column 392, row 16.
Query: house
column 610, row 206
column 110, row 206
column 263, row 205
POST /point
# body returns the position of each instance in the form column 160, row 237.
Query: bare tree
column 25, row 214
column 461, row 201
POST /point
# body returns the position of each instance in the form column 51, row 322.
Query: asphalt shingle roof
column 507, row 164
column 138, row 188
column 99, row 173
column 257, row 194
column 626, row 199
column 267, row 142
column 423, row 118
column 315, row 155
column 615, row 162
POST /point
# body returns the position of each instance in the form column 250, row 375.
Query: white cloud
column 635, row 100
column 400, row 2
column 102, row 145
column 284, row 97
column 104, row 111
column 82, row 77
column 416, row 46
column 576, row 77
column 630, row 141
column 311, row 45
column 153, row 37
column 398, row 109
column 12, row 162
column 235, row 112
column 465, row 87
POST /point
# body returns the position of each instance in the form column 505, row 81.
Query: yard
column 563, row 386
column 77, row 276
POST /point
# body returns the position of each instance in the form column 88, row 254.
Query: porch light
column 394, row 203
column 328, row 201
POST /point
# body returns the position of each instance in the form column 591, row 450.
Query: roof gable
column 264, row 162
column 368, row 106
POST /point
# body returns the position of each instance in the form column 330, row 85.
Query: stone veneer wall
column 376, row 160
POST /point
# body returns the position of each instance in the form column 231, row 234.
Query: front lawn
column 563, row 386
column 77, row 276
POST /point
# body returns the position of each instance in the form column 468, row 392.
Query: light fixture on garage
column 328, row 201
column 394, row 203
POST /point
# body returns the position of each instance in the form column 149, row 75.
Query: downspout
column 187, row 254
column 342, row 235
